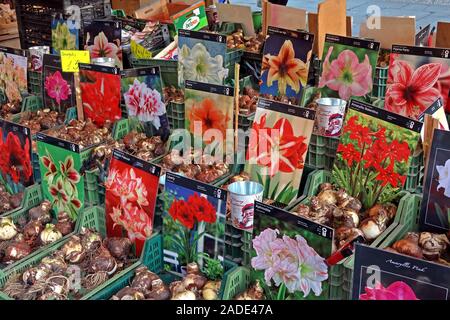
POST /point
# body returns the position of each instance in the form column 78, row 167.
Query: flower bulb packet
column 130, row 199
column 201, row 57
column 60, row 164
column 209, row 111
column 384, row 275
column 13, row 74
column 142, row 94
column 435, row 208
column 65, row 35
column 374, row 153
column 103, row 39
column 100, row 93
column 59, row 89
column 348, row 67
column 285, row 63
column 16, row 170
column 288, row 255
column 280, row 138
column 193, row 222
column 418, row 76
column 437, row 111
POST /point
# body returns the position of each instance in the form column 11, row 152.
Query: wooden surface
column 443, row 35
column 393, row 30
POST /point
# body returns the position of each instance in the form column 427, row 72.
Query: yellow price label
column 71, row 58
column 139, row 51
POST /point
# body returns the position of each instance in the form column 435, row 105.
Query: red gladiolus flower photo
column 373, row 157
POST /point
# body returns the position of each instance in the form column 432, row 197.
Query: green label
column 193, row 18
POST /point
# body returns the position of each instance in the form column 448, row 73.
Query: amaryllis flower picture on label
column 418, row 76
column 103, row 39
column 13, row 74
column 142, row 95
column 65, row 36
column 201, row 57
column 16, row 170
column 193, row 222
column 131, row 191
column 435, row 210
column 374, row 153
column 60, row 165
column 348, row 67
column 59, row 89
column 208, row 107
column 280, row 140
column 288, row 256
column 383, row 275
column 285, row 65
column 100, row 93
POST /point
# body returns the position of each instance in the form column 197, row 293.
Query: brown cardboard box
column 129, row 6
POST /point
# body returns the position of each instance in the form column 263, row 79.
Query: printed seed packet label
column 208, row 111
column 288, row 255
column 16, row 170
column 142, row 94
column 100, row 93
column 13, row 74
column 437, row 111
column 279, row 138
column 65, row 35
column 60, row 165
column 193, row 223
column 374, row 153
column 191, row 18
column 383, row 275
column 348, row 67
column 211, row 47
column 285, row 65
column 71, row 58
column 435, row 209
column 130, row 200
column 103, row 39
column 58, row 86
column 418, row 76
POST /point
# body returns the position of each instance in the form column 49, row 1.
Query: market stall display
column 211, row 152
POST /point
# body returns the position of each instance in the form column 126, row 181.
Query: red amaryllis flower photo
column 195, row 209
column 101, row 98
column 15, row 158
column 410, row 91
column 277, row 148
column 182, row 212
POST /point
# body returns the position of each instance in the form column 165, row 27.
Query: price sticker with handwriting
column 139, row 51
column 71, row 58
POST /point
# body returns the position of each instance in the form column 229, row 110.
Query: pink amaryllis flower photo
column 57, row 88
column 410, row 92
column 289, row 262
column 395, row 291
column 346, row 75
column 103, row 48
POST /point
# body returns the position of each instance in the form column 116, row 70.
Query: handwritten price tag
column 139, row 51
column 71, row 58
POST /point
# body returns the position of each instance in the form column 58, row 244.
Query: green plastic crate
column 90, row 218
column 415, row 173
column 234, row 282
column 231, row 57
column 35, row 83
column 257, row 20
column 322, row 152
column 175, row 114
column 340, row 275
column 169, row 69
column 380, row 82
column 32, row 196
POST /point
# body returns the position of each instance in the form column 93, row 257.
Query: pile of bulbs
column 207, row 171
column 425, row 245
column 337, row 209
column 253, row 44
column 21, row 238
column 248, row 101
column 147, row 285
column 97, row 261
column 9, row 201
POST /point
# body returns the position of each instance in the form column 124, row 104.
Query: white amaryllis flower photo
column 198, row 65
column 444, row 178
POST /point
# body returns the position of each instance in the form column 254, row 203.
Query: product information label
column 71, row 58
